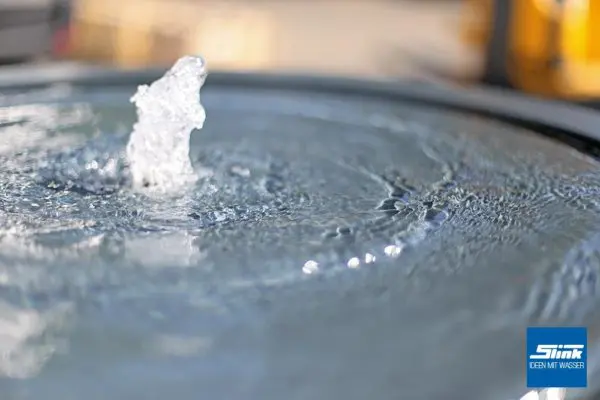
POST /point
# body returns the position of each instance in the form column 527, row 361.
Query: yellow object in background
column 476, row 22
column 544, row 47
column 137, row 33
column 133, row 44
column 232, row 38
column 124, row 38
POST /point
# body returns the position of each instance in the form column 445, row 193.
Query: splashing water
column 168, row 111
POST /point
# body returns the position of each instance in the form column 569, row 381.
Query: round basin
column 354, row 240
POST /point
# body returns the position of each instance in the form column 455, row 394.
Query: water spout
column 168, row 111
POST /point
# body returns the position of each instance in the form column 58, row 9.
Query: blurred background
column 353, row 37
column 542, row 47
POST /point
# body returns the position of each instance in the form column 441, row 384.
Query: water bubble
column 393, row 250
column 310, row 267
column 240, row 171
column 369, row 258
column 354, row 262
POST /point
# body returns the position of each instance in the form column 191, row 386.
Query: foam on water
column 168, row 111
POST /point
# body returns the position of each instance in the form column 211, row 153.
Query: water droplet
column 354, row 262
column 393, row 250
column 369, row 258
column 92, row 165
column 310, row 267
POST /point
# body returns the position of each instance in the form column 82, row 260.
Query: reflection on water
column 27, row 338
column 342, row 248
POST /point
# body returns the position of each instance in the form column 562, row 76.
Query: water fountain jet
column 168, row 111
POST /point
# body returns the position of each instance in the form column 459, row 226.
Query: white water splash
column 168, row 111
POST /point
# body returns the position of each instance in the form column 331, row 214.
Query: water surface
column 343, row 248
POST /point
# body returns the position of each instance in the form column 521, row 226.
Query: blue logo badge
column 556, row 357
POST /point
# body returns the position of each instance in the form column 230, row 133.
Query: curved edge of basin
column 570, row 122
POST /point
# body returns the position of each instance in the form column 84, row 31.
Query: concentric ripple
column 342, row 248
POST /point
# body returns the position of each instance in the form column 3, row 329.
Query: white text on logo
column 558, row 351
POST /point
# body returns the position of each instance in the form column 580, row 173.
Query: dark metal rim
column 575, row 124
